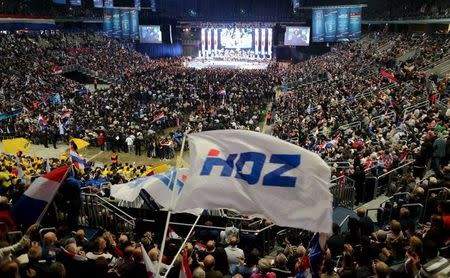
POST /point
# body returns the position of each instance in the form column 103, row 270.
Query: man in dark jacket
column 439, row 152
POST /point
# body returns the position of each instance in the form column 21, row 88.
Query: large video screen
column 297, row 36
column 150, row 34
column 236, row 38
column 336, row 24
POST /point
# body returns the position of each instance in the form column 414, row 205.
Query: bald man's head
column 153, row 254
column 210, row 245
column 137, row 254
column 50, row 238
column 209, row 262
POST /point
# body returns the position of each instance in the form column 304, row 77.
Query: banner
column 134, row 17
column 263, row 41
column 108, row 3
column 11, row 114
column 354, row 23
column 125, row 23
column 330, row 19
column 269, row 41
column 75, row 2
column 209, row 40
column 389, row 76
column 342, row 24
column 98, row 3
column 216, row 39
column 108, row 22
column 137, row 4
column 257, row 41
column 117, row 30
column 258, row 175
column 203, row 41
column 318, row 26
column 59, row 2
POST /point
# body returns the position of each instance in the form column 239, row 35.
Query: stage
column 200, row 63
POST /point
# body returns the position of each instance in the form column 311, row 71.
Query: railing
column 442, row 104
column 441, row 194
column 380, row 118
column 423, row 104
column 353, row 125
column 343, row 191
column 385, row 180
column 98, row 212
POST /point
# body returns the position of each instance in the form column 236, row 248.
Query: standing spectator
column 439, row 152
column 367, row 225
column 101, row 141
column 234, row 254
column 130, row 144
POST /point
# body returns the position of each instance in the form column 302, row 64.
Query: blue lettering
column 227, row 165
column 274, row 178
column 258, row 160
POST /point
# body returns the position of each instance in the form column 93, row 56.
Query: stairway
column 406, row 56
column 440, row 69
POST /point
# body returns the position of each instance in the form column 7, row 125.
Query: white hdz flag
column 258, row 175
column 161, row 187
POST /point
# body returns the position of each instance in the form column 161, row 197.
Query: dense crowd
column 329, row 95
column 346, row 111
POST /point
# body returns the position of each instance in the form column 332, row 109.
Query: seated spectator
column 432, row 264
column 279, row 266
column 381, row 270
column 50, row 248
column 5, row 216
column 264, row 268
column 22, row 244
column 248, row 266
column 209, row 263
column 99, row 250
column 366, row 223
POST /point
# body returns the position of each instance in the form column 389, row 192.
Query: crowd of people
column 339, row 106
column 346, row 111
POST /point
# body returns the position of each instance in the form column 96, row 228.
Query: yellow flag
column 81, row 144
column 12, row 146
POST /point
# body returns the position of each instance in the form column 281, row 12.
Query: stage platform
column 198, row 63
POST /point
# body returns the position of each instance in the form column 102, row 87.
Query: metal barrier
column 343, row 191
column 357, row 124
column 442, row 105
column 381, row 118
column 99, row 213
column 423, row 104
column 386, row 179
column 442, row 194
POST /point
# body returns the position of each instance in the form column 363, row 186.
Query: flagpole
column 182, row 245
column 169, row 212
column 38, row 221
